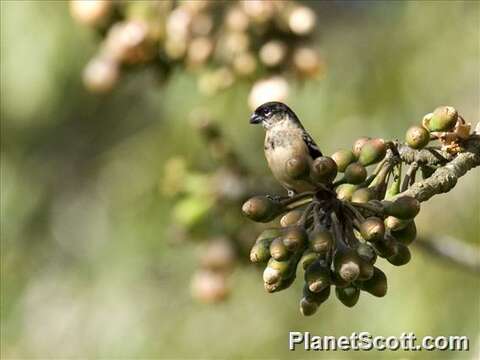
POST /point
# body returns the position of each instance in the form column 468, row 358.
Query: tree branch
column 445, row 177
column 454, row 251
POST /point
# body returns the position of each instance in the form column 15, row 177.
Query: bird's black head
column 272, row 113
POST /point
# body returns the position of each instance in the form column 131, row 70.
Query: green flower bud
column 405, row 207
column 345, row 191
column 348, row 295
column 278, row 250
column 295, row 238
column 297, row 167
column 355, row 173
column 363, row 195
column 324, row 170
column 260, row 252
column 376, row 285
column 443, row 119
column 417, row 137
column 291, row 218
column 317, row 277
column 337, row 280
column 372, row 152
column 282, row 284
column 386, row 247
column 358, row 144
column 276, row 270
column 402, row 255
column 406, row 235
column 366, row 270
column 308, row 258
column 318, row 297
column 262, row 209
column 343, row 158
column 320, row 241
column 347, row 264
column 308, row 307
column 269, row 234
column 395, row 224
column 367, row 253
column 372, row 229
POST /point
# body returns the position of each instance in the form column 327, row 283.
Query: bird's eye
column 268, row 113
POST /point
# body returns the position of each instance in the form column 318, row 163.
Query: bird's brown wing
column 313, row 149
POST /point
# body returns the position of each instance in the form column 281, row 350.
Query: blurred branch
column 452, row 250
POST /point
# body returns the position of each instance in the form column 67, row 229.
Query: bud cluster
column 221, row 41
column 335, row 233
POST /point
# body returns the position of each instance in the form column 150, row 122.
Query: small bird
column 285, row 138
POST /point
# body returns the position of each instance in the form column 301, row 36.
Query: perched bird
column 285, row 138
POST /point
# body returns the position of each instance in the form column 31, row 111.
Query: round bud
column 324, row 170
column 269, row 234
column 317, row 277
column 366, row 270
column 348, row 295
column 372, row 229
column 372, row 152
column 337, row 280
column 343, row 158
column 347, row 264
column 291, row 218
column 443, row 119
column 261, row 209
column 318, row 297
column 297, row 167
column 406, row 235
column 386, row 247
column 308, row 307
column 363, row 195
column 276, row 270
column 320, row 241
column 376, row 285
column 278, row 250
column 417, row 137
column 355, row 173
column 260, row 252
column 345, row 191
column 295, row 238
column 307, row 259
column 402, row 255
column 358, row 144
column 282, row 284
column 395, row 224
column 405, row 207
column 367, row 253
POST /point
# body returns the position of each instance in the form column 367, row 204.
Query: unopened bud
column 443, row 119
column 278, row 250
column 347, row 264
column 402, row 255
column 317, row 277
column 395, row 224
column 324, row 170
column 308, row 258
column 417, row 137
column 406, row 235
column 355, row 173
column 376, row 285
column 345, row 191
column 308, row 307
column 295, row 238
column 348, row 295
column 405, row 207
column 262, row 209
column 367, row 253
column 372, row 152
column 291, row 218
column 320, row 241
column 343, row 158
column 364, row 195
column 358, row 144
column 297, row 167
column 372, row 229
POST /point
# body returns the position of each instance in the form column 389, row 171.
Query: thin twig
column 454, row 251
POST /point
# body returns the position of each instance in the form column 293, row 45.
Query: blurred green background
column 88, row 268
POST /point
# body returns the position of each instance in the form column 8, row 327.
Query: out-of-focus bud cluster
column 205, row 209
column 335, row 233
column 258, row 41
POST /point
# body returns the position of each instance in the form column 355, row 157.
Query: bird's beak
column 256, row 119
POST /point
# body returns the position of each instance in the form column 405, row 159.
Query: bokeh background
column 91, row 265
